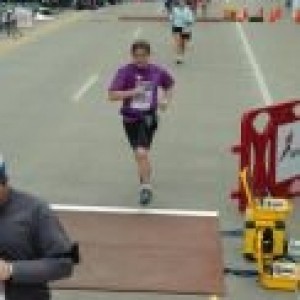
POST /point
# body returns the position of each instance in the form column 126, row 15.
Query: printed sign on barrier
column 270, row 148
column 288, row 151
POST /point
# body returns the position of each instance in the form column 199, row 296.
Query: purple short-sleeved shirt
column 126, row 79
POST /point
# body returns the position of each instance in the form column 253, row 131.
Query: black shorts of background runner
column 180, row 30
column 177, row 29
column 140, row 133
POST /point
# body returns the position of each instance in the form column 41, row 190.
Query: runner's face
column 140, row 57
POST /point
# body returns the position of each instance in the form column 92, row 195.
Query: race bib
column 144, row 100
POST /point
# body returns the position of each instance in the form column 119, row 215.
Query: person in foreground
column 34, row 248
column 137, row 86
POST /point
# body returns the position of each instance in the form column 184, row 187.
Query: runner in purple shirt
column 137, row 86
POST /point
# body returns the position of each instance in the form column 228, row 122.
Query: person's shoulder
column 28, row 201
column 125, row 68
column 157, row 68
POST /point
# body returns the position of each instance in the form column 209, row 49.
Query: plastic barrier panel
column 270, row 147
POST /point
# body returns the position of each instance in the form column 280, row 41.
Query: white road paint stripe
column 266, row 94
column 142, row 211
column 85, row 87
column 268, row 100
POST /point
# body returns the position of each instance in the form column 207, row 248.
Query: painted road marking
column 126, row 210
column 92, row 80
column 265, row 92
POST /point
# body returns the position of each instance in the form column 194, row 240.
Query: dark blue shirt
column 32, row 239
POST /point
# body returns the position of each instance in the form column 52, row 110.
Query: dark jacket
column 32, row 239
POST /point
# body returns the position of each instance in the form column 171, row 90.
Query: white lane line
column 126, row 210
column 268, row 100
column 85, row 87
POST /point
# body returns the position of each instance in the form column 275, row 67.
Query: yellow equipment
column 267, row 215
column 265, row 240
column 272, row 274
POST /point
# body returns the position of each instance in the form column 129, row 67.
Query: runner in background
column 136, row 85
column 182, row 19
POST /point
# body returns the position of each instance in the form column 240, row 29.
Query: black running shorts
column 140, row 133
column 177, row 29
column 183, row 34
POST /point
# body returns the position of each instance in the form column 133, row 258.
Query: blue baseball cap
column 3, row 175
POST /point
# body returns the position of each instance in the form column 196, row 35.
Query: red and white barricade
column 270, row 147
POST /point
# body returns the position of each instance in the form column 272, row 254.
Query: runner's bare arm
column 122, row 95
column 118, row 91
column 166, row 98
column 119, row 95
column 168, row 94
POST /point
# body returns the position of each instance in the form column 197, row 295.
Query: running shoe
column 146, row 196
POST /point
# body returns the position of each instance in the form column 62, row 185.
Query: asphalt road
column 64, row 142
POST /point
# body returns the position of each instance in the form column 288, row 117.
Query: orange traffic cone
column 297, row 15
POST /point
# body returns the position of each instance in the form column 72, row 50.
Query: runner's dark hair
column 140, row 44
